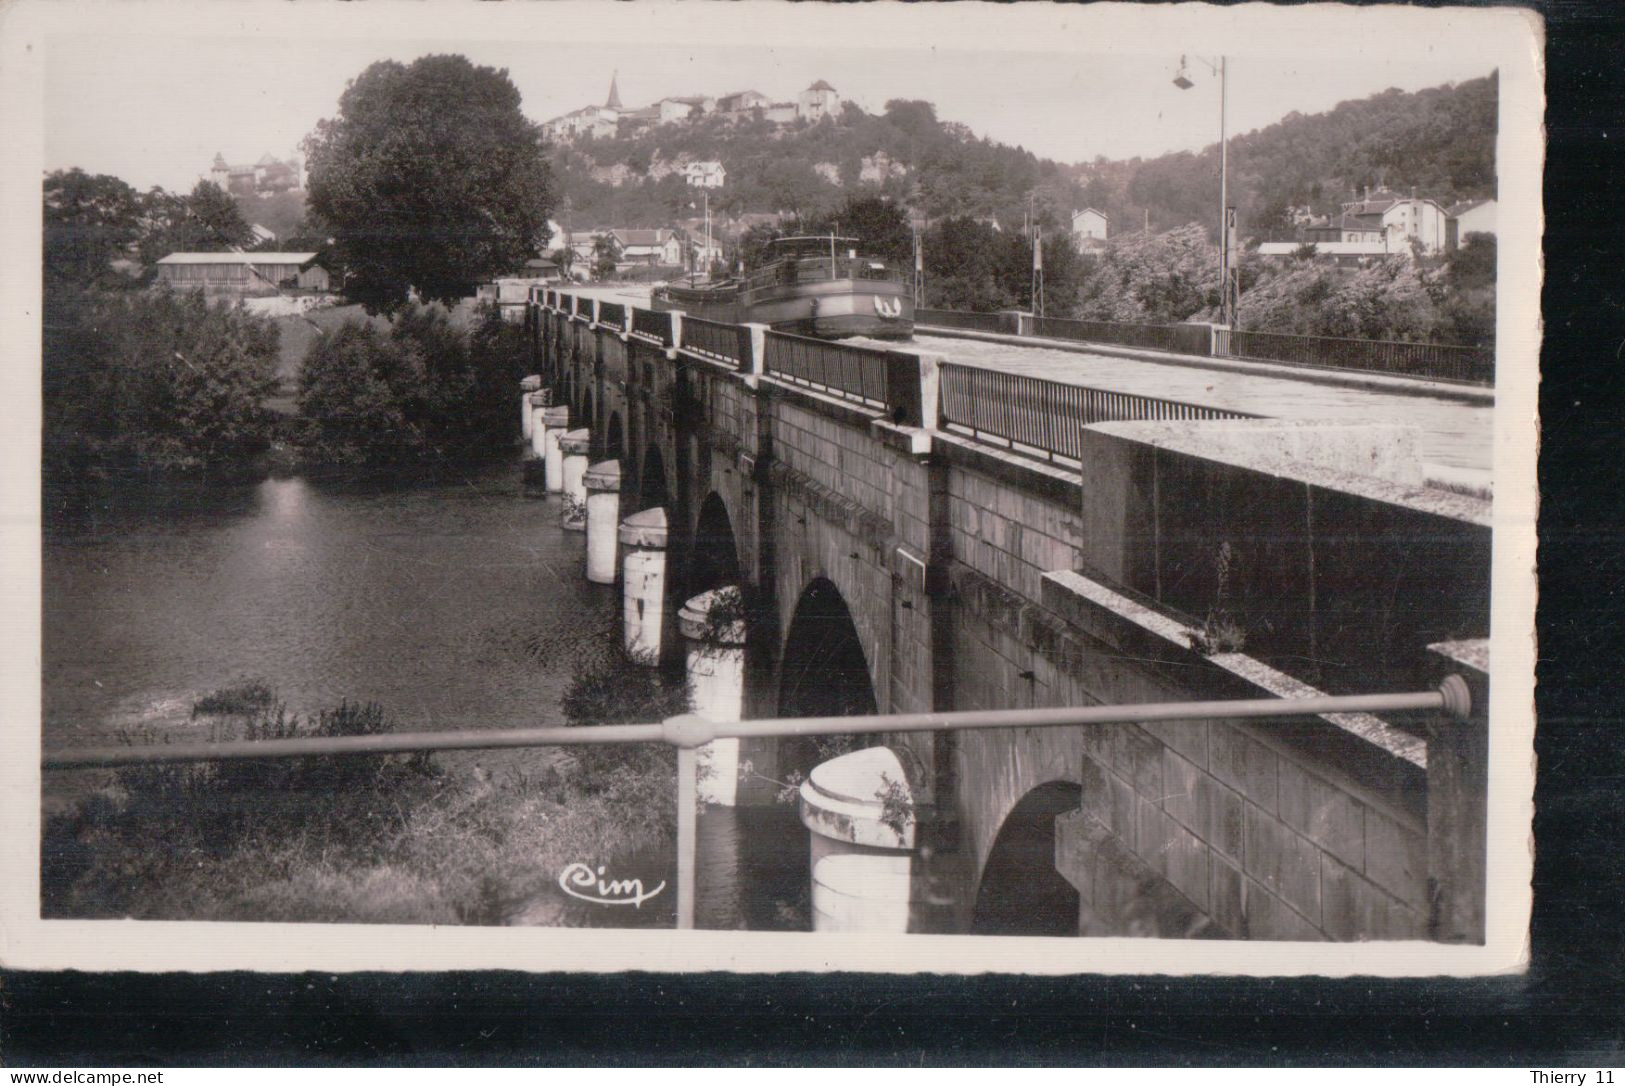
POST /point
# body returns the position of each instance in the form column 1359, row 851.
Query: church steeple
column 614, row 93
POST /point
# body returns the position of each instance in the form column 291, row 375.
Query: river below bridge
column 452, row 603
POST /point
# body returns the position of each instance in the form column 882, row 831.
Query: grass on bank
column 359, row 839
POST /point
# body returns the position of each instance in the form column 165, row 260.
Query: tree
column 1472, row 264
column 90, row 221
column 878, row 223
column 430, row 178
column 962, row 266
column 205, row 221
column 1163, row 278
column 606, row 254
column 358, row 393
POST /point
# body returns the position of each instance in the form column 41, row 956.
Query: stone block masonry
column 976, row 578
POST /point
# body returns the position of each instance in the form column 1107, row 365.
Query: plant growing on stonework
column 723, row 619
column 1220, row 631
column 896, row 805
column 574, row 511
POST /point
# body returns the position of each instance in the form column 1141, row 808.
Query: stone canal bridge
column 904, row 534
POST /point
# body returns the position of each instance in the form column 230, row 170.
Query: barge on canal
column 814, row 286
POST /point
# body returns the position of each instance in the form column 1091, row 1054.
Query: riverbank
column 385, row 839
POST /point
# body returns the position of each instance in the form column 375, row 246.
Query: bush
column 248, row 696
column 424, row 391
column 163, row 825
column 152, row 382
column 358, row 394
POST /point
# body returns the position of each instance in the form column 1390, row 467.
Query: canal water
column 445, row 601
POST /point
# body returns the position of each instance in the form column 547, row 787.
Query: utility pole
column 1229, row 277
column 1038, row 255
column 919, row 269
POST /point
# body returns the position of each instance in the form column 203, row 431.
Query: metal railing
column 1043, row 418
column 1181, row 338
column 690, row 732
column 653, row 325
column 1431, row 361
column 954, row 318
column 723, row 342
column 581, row 307
column 612, row 313
column 852, row 373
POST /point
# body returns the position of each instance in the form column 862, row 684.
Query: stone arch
column 614, row 438
column 1020, row 892
column 823, row 671
column 589, row 413
column 715, row 551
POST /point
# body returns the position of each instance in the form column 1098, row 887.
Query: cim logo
column 580, row 881
column 889, row 307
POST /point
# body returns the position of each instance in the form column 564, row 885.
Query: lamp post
column 1229, row 280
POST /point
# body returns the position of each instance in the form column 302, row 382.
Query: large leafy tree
column 90, row 221
column 430, row 178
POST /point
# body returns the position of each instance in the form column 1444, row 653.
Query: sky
column 152, row 101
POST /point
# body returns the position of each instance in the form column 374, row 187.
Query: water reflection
column 423, row 598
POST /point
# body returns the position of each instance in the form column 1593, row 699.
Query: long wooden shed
column 243, row 274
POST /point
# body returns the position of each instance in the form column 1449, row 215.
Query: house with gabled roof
column 657, row 246
column 817, row 102
column 1401, row 220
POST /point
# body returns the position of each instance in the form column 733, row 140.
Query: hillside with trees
column 1439, row 141
column 937, row 169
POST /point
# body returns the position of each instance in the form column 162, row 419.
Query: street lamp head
column 1182, row 83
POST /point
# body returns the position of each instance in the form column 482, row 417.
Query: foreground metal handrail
column 690, row 732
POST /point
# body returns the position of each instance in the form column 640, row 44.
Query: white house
column 659, row 246
column 818, row 101
column 1395, row 219
column 704, row 175
column 1088, row 224
column 1469, row 217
